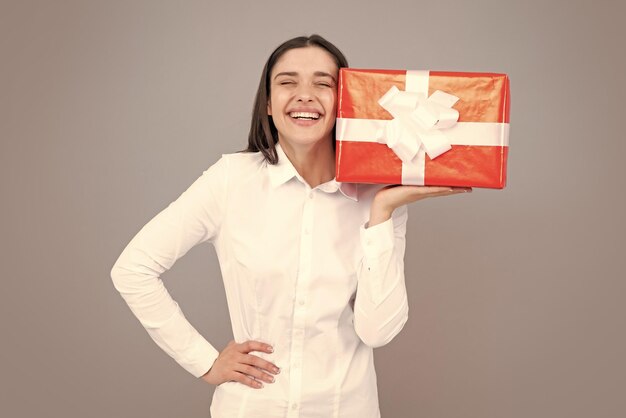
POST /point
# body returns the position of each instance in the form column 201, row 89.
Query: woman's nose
column 304, row 93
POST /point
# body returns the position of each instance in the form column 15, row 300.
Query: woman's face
column 303, row 85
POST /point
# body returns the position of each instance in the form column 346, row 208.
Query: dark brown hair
column 263, row 135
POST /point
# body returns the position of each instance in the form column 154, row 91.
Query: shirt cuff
column 178, row 338
column 206, row 355
column 377, row 239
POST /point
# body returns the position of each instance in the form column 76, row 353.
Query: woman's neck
column 315, row 163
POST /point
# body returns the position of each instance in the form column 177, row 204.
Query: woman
column 313, row 269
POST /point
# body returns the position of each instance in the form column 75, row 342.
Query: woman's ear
column 269, row 108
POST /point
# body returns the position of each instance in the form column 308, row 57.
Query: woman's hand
column 392, row 197
column 236, row 364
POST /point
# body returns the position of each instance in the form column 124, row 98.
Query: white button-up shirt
column 301, row 272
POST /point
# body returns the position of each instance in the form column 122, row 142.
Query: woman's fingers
column 258, row 374
column 395, row 196
column 246, row 380
column 261, row 363
column 256, row 361
column 235, row 376
column 235, row 363
column 428, row 191
column 390, row 198
column 260, row 368
column 250, row 369
column 250, row 345
column 257, row 367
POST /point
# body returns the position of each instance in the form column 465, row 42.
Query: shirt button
column 301, row 302
column 306, row 231
column 310, row 195
column 296, row 365
column 294, row 406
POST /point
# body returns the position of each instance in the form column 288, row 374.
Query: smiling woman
column 303, row 105
column 313, row 269
column 263, row 133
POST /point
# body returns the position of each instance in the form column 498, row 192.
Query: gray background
column 110, row 109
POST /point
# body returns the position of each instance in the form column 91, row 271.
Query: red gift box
column 423, row 144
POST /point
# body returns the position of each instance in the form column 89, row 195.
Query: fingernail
column 272, row 379
column 259, row 384
column 276, row 370
column 270, row 349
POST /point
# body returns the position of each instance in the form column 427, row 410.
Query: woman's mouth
column 304, row 115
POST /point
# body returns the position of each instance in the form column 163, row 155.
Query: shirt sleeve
column 193, row 218
column 381, row 307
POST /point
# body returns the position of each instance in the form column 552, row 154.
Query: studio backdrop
column 109, row 110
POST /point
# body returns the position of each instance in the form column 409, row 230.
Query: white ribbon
column 417, row 122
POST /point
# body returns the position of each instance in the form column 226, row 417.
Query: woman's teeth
column 304, row 115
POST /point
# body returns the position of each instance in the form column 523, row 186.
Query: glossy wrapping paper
column 479, row 161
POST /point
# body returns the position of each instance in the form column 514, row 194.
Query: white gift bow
column 417, row 121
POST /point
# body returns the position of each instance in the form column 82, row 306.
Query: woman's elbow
column 117, row 277
column 121, row 278
column 374, row 340
column 375, row 335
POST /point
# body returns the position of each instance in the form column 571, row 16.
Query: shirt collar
column 283, row 171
